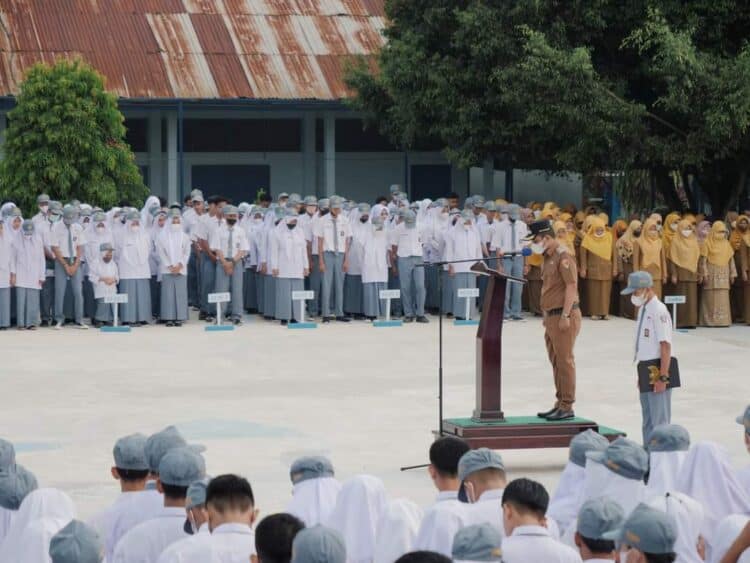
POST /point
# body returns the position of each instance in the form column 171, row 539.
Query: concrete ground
column 262, row 395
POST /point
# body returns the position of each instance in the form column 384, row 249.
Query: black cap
column 540, row 228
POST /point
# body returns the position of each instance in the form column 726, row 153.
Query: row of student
column 671, row 501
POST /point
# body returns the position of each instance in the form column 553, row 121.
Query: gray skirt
column 285, row 308
column 5, row 307
column 269, row 296
column 138, row 307
column 260, row 293
column 431, row 282
column 448, row 297
column 374, row 307
column 155, row 297
column 173, row 300
column 103, row 311
column 27, row 307
column 353, row 294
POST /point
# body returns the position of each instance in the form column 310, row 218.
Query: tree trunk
column 665, row 186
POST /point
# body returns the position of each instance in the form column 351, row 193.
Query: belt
column 555, row 312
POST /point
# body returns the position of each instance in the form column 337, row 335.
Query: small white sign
column 302, row 295
column 116, row 298
column 675, row 300
column 468, row 292
column 390, row 294
column 219, row 297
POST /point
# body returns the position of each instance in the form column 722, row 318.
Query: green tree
column 66, row 137
column 651, row 88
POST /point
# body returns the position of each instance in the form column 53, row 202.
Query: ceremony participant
column 598, row 268
column 252, row 225
column 76, row 543
column 409, row 256
column 508, row 244
column 562, row 317
column 482, row 476
column 272, row 226
column 44, row 230
column 27, row 276
column 6, row 266
column 104, row 275
column 527, row 538
column 742, row 262
column 229, row 243
column 334, row 234
column 291, row 266
column 653, row 341
column 274, row 536
column 191, row 219
column 682, row 262
column 448, row 515
column 648, row 254
column 374, row 268
column 464, row 245
column 173, row 250
column 744, row 474
column 132, row 248
column 478, row 542
column 68, row 244
column 319, row 544
column 718, row 272
column 316, row 277
column 648, row 536
column 158, row 221
column 145, row 542
column 396, row 530
column 668, row 445
column 315, row 490
column 360, row 224
column 598, row 517
column 42, row 203
column 204, row 229
column 625, row 247
column 690, row 546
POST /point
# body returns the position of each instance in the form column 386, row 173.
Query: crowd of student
column 61, row 264
column 671, row 501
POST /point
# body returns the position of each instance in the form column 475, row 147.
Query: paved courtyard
column 263, row 395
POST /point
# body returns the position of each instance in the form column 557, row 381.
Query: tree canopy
column 661, row 86
column 66, row 137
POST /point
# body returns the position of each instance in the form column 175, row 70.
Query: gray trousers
column 353, row 294
column 314, row 283
column 5, row 307
column 413, row 292
column 260, row 288
column 208, row 279
column 193, row 275
column 89, row 302
column 47, row 297
column 232, row 284
column 27, row 307
column 656, row 409
column 333, row 284
column 76, row 287
column 448, row 297
column 513, row 266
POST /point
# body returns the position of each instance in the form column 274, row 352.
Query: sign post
column 675, row 300
column 467, row 293
column 115, row 300
column 219, row 298
column 301, row 297
column 387, row 295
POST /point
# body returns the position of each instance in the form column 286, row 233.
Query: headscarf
column 600, row 481
column 147, row 218
column 704, row 227
column 138, row 251
column 172, row 241
column 717, row 249
column 664, row 467
column 601, row 246
column 688, row 514
column 685, row 251
column 358, row 509
column 625, row 243
column 604, row 217
column 564, row 239
column 650, row 245
column 726, row 534
column 667, row 233
column 568, row 497
column 620, row 225
column 397, row 529
column 313, row 500
column 737, row 237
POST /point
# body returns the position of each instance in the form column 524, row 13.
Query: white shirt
column 101, row 269
column 219, row 241
column 6, row 261
column 229, row 543
column 59, row 238
column 441, row 522
column 655, row 328
column 464, row 244
column 407, row 241
column 131, row 510
column 28, row 261
column 180, row 551
column 503, row 236
column 289, row 253
column 488, row 509
column 132, row 252
column 172, row 248
column 534, row 543
column 375, row 257
column 105, row 521
column 145, row 542
column 334, row 240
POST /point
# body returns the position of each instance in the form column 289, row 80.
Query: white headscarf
column 708, row 477
column 664, row 469
column 172, row 241
column 313, row 500
column 146, row 217
column 726, row 533
column 358, row 509
column 138, row 251
column 600, row 481
column 688, row 513
column 42, row 514
column 568, row 497
column 397, row 528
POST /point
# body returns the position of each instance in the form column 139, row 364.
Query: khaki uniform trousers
column 560, row 344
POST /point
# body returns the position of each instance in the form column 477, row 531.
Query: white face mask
column 673, row 226
column 175, row 227
column 100, row 229
column 599, row 235
column 637, row 300
column 687, row 232
column 537, row 248
column 467, row 227
column 134, row 228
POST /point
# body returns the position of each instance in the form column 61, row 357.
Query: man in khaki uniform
column 562, row 315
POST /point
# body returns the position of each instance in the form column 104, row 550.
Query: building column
column 488, row 178
column 329, row 144
column 309, row 155
column 172, row 172
column 154, row 154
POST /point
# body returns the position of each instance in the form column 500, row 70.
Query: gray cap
column 133, row 216
column 7, row 455
column 295, row 198
column 588, row 441
column 310, row 200
column 100, row 217
column 42, row 198
column 310, row 467
column 197, row 198
column 477, row 460
column 283, row 194
column 744, row 419
column 336, row 202
column 129, row 451
column 638, row 280
column 55, row 205
column 324, row 203
column 648, row 530
column 174, row 212
column 16, row 212
column 490, row 206
column 669, row 438
column 86, row 211
column 181, row 467
column 196, row 493
column 27, row 226
column 599, row 516
column 410, row 219
column 479, row 542
column 196, row 192
column 230, row 210
column 479, row 202
column 318, row 544
column 623, row 457
column 467, row 215
column 76, row 543
column 69, row 212
column 364, row 208
column 15, row 485
column 395, row 188
column 104, row 247
column 160, row 443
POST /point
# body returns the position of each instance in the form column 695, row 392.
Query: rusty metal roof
column 261, row 49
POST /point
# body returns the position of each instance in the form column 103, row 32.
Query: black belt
column 555, row 312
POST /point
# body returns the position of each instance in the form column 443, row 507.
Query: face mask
column 537, row 248
column 231, row 222
column 134, row 228
column 637, row 233
column 444, row 214
column 467, row 227
column 363, row 219
column 673, row 226
column 291, row 226
column 43, row 208
column 107, row 259
column 68, row 222
column 54, row 218
column 659, row 227
column 687, row 232
column 637, row 300
column 323, row 212
column 599, row 234
column 175, row 227
column 100, row 228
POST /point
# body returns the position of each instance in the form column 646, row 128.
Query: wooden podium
column 488, row 426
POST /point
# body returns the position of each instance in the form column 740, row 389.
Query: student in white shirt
column 42, row 202
column 409, row 254
column 203, row 231
column 313, row 281
column 27, row 275
column 274, row 536
column 68, row 243
column 508, row 238
column 44, row 230
column 229, row 243
column 334, row 235
column 196, row 524
column 596, row 518
column 374, row 267
column 464, row 244
column 289, row 256
column 6, row 260
column 104, row 275
column 527, row 538
column 173, row 249
column 482, row 476
column 132, row 249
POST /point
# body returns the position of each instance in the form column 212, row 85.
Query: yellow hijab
column 564, row 237
column 717, row 249
column 685, row 251
column 601, row 246
column 650, row 245
column 737, row 236
column 667, row 232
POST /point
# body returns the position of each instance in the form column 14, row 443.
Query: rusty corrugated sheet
column 264, row 49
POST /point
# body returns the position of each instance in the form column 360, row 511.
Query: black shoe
column 237, row 322
column 293, row 322
column 408, row 319
column 283, row 323
column 553, row 410
column 343, row 319
column 449, row 315
column 169, row 323
column 326, row 319
column 561, row 415
column 423, row 319
column 202, row 316
column 178, row 323
column 209, row 319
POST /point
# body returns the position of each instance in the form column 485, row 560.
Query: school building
column 233, row 96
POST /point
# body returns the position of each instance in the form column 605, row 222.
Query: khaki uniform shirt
column 558, row 270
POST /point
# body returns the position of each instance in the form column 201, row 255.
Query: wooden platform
column 522, row 432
